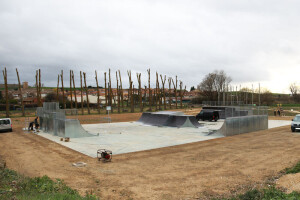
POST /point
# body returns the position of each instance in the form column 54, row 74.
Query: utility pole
column 20, row 93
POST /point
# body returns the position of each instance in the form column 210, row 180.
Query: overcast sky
column 252, row 40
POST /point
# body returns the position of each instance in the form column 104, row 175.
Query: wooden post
column 71, row 89
column 150, row 98
column 62, row 86
column 122, row 95
column 138, row 75
column 98, row 95
column 118, row 93
column 57, row 94
column 81, row 95
column 6, row 91
column 20, row 93
column 175, row 88
column 163, row 80
column 170, row 100
column 75, row 97
column 87, row 94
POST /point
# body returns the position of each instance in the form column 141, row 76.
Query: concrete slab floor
column 128, row 137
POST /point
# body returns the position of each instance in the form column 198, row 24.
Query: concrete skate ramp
column 244, row 124
column 182, row 121
column 169, row 120
column 156, row 119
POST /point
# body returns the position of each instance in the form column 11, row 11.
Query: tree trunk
column 75, row 97
column 87, row 94
column 20, row 93
column 149, row 86
column 62, row 86
column 82, row 112
column 98, row 95
column 71, row 105
column 6, row 91
column 57, row 93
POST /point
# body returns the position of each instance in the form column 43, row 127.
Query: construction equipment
column 104, row 155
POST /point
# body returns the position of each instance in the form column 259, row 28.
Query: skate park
column 151, row 131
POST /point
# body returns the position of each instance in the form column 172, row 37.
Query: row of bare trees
column 154, row 98
column 151, row 97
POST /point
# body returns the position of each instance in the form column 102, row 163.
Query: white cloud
column 253, row 41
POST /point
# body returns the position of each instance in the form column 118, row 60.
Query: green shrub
column 13, row 185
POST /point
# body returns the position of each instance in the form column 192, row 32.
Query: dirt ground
column 219, row 167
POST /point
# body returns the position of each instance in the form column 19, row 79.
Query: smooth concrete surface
column 128, row 137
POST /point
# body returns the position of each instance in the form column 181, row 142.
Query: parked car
column 5, row 125
column 295, row 123
column 210, row 115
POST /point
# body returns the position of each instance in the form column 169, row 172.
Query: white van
column 5, row 124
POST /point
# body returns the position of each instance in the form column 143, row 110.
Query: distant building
column 25, row 85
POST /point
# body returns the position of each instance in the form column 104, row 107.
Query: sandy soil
column 200, row 170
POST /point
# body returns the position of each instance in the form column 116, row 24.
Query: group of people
column 35, row 123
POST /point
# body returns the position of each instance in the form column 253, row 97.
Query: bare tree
column 175, row 91
column 181, row 94
column 118, row 93
column 57, row 99
column 170, row 85
column 214, row 83
column 87, row 93
column 20, row 94
column 71, row 103
column 62, row 86
column 81, row 95
column 98, row 95
column 138, row 75
column 163, row 80
column 130, row 92
column 105, row 89
column 121, row 90
column 6, row 91
column 75, row 97
column 150, row 94
column 294, row 88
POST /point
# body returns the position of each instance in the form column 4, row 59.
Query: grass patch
column 266, row 194
column 293, row 170
column 15, row 186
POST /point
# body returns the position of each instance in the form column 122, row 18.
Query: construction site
column 155, row 155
